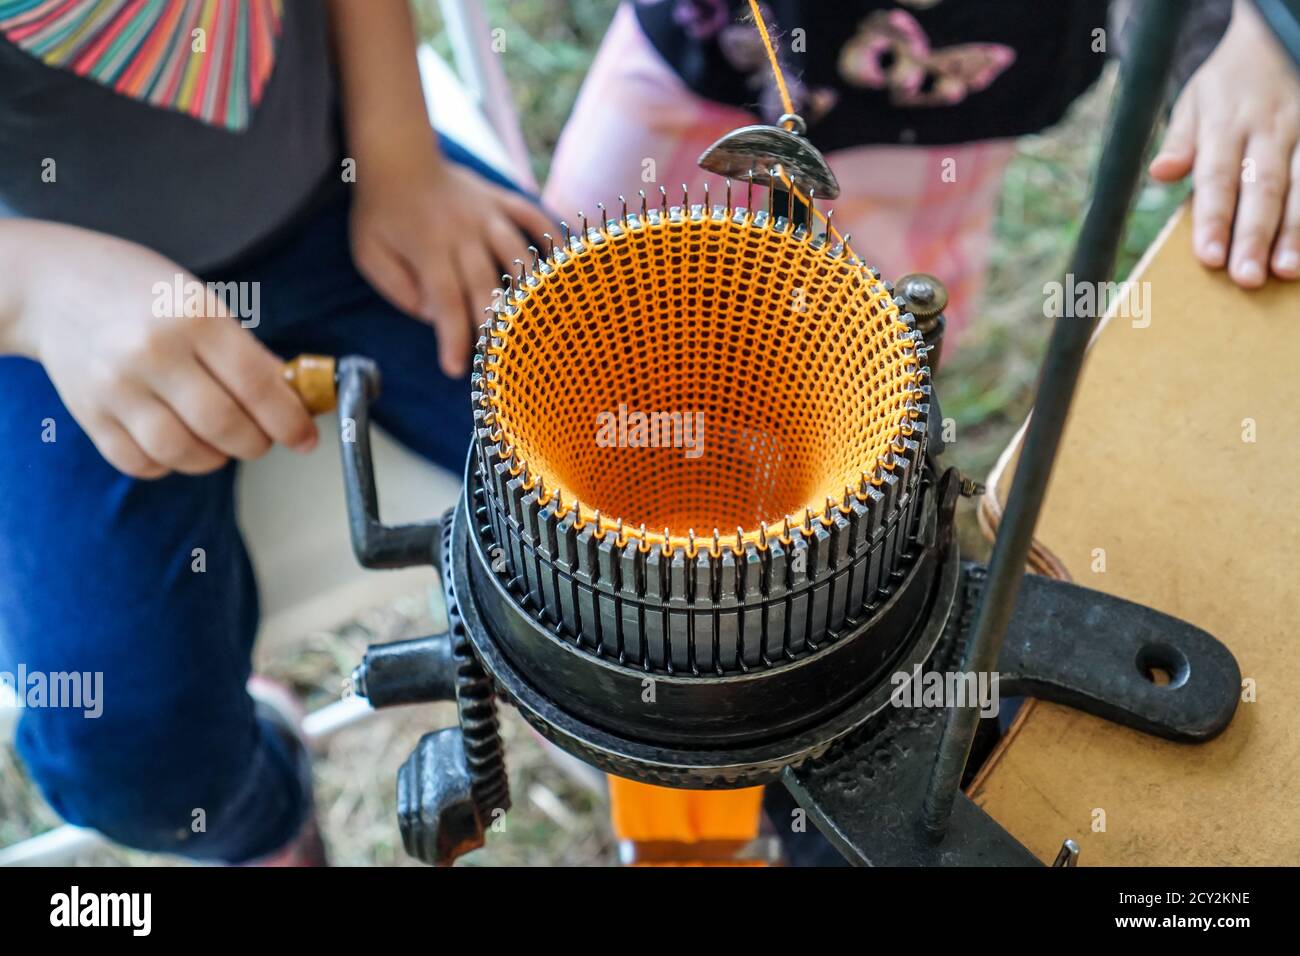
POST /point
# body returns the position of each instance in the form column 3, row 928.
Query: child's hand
column 434, row 239
column 1235, row 128
column 155, row 392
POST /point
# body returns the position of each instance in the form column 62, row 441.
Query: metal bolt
column 926, row 296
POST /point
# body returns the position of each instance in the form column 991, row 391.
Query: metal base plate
column 1064, row 643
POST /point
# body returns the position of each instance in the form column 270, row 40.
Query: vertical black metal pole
column 1141, row 93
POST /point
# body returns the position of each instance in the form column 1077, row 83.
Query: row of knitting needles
column 542, row 532
column 875, row 493
column 876, row 490
column 608, row 227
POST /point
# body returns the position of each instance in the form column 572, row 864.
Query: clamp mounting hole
column 1163, row 665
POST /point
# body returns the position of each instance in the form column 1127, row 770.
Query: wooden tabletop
column 1176, row 486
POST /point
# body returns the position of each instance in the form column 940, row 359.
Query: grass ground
column 986, row 386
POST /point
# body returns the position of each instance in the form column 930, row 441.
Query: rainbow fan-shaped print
column 210, row 59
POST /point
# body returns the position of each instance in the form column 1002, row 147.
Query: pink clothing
column 910, row 209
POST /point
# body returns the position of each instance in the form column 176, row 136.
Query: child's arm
column 1236, row 129
column 156, row 390
column 432, row 237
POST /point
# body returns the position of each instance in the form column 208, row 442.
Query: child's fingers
column 120, row 449
column 208, row 410
column 527, row 215
column 1259, row 210
column 481, row 280
column 1216, row 178
column 389, row 275
column 254, row 378
column 507, row 242
column 1178, row 149
column 1286, row 251
column 160, row 433
column 441, row 289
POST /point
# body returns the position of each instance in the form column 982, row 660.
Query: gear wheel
column 454, row 784
column 476, row 705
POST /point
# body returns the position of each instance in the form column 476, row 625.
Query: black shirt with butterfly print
column 872, row 72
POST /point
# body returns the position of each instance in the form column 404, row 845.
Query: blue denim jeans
column 96, row 576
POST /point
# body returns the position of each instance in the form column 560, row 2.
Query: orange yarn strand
column 787, row 104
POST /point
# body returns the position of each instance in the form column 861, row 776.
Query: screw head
column 926, row 296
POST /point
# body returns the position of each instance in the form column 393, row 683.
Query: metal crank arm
column 350, row 384
column 375, row 544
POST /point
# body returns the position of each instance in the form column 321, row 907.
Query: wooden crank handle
column 313, row 378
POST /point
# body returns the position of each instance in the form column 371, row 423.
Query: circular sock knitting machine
column 704, row 538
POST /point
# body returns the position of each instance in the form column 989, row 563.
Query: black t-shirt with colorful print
column 199, row 129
